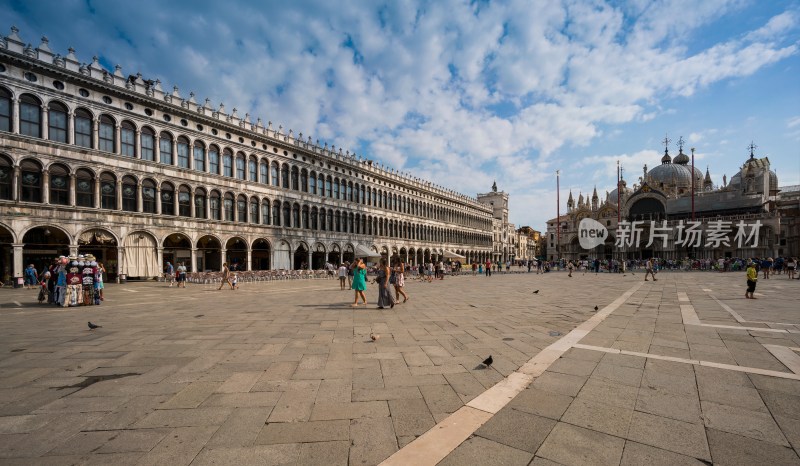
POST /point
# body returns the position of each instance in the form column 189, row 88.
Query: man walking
column 648, row 269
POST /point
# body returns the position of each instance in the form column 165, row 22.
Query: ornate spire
column 752, row 148
column 494, row 187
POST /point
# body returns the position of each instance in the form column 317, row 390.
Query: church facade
column 96, row 161
column 659, row 217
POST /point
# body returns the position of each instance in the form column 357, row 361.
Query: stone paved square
column 285, row 372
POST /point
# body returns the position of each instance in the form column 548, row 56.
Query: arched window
column 184, row 201
column 328, row 187
column 296, row 216
column 227, row 206
column 167, row 199
column 287, row 215
column 199, row 162
column 241, row 209
column 31, row 181
column 314, row 224
column 304, row 180
column 5, row 110
column 84, row 188
column 240, row 166
column 127, row 139
column 200, row 203
column 336, row 188
column 253, row 210
column 59, row 185
column 214, row 206
column 57, row 122
column 183, row 152
column 285, row 176
column 305, row 219
column 337, row 221
column 266, row 206
column 323, row 220
column 106, row 136
column 276, row 213
column 252, row 169
column 30, row 116
column 213, row 160
column 129, row 203
column 330, row 219
column 108, row 191
column 369, row 196
column 321, row 185
column 149, row 196
column 227, row 163
column 295, row 179
column 83, row 128
column 165, row 148
column 350, row 192
column 312, row 183
column 148, row 140
column 276, row 181
column 263, row 170
column 6, row 175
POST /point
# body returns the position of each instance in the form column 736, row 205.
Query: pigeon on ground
column 93, row 326
column 536, row 292
column 374, row 337
column 488, row 361
column 596, row 308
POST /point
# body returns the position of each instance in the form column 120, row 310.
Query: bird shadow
column 480, row 367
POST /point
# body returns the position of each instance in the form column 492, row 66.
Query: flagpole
column 618, row 193
column 558, row 213
column 693, row 184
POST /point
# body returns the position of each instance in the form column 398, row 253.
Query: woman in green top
column 752, row 278
column 359, row 282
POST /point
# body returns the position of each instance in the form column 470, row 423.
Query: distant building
column 664, row 193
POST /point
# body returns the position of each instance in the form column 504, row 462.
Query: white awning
column 453, row 255
column 365, row 252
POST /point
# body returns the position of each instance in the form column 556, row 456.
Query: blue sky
column 465, row 93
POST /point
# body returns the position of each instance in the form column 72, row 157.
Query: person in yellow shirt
column 752, row 278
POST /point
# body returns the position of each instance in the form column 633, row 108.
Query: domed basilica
column 664, row 193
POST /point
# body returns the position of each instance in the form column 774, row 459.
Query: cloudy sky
column 464, row 93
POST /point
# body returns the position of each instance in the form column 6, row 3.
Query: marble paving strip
column 435, row 444
column 690, row 318
column 750, row 370
column 741, row 319
column 785, row 355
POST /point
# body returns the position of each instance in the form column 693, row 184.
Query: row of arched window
column 127, row 193
column 55, row 122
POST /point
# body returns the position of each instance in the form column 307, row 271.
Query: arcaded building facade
column 95, row 161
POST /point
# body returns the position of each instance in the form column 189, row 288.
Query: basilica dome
column 670, row 175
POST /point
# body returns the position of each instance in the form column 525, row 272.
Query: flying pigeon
column 93, row 326
column 536, row 292
column 488, row 361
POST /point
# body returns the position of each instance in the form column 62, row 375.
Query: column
column 249, row 258
column 223, row 254
column 96, row 133
column 15, row 184
column 118, row 189
column 309, row 260
column 17, row 267
column 205, row 159
column 45, row 186
column 191, row 204
column 97, row 202
column 193, row 260
column 70, row 127
column 15, row 115
column 73, row 250
column 121, row 262
column 117, row 142
column 158, row 199
column 208, row 204
column 73, row 186
column 139, row 199
column 160, row 255
column 138, row 144
column 45, row 124
column 326, row 257
column 175, row 152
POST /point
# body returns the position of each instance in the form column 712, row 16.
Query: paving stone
column 600, row 417
column 303, row 432
column 573, row 445
column 486, row 452
column 37, row 443
column 542, row 403
column 666, row 404
column 138, row 440
column 184, row 418
column 669, row 434
column 636, row 454
column 618, row 374
column 573, row 367
column 241, row 428
column 372, row 440
column 243, row 400
column 563, row 384
column 335, row 390
column 294, row 406
column 398, row 393
column 23, row 424
column 257, row 454
column 328, row 453
column 192, row 396
column 410, row 417
column 82, row 443
column 350, row 410
column 465, row 385
column 737, row 420
column 706, row 375
column 624, row 360
column 240, row 382
column 441, row 399
column 736, row 450
column 517, row 429
column 597, row 389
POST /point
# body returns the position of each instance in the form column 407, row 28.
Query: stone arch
column 140, row 255
column 177, row 247
column 261, row 255
column 102, row 244
column 300, row 256
column 209, row 253
column 282, row 256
